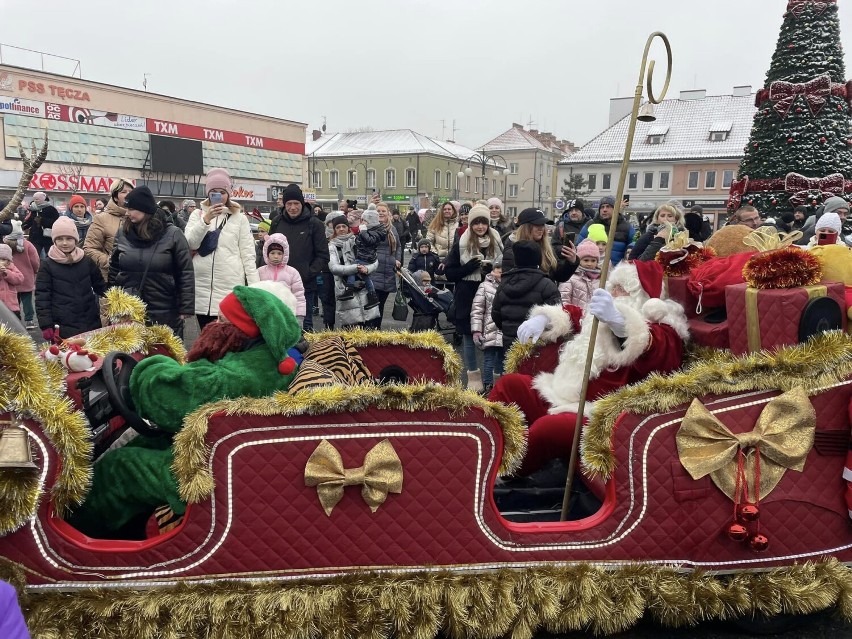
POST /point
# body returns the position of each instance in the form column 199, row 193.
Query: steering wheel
column 117, row 382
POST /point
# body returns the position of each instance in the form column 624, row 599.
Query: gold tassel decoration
column 123, row 307
column 190, row 465
column 511, row 603
column 821, row 361
column 431, row 340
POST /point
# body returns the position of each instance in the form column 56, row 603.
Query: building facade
column 690, row 153
column 407, row 170
column 532, row 157
column 99, row 132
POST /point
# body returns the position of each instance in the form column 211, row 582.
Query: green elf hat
column 266, row 309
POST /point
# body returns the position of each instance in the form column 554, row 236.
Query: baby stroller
column 426, row 307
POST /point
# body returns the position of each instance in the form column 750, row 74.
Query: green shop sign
column 387, row 197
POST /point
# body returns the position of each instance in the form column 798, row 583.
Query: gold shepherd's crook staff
column 645, row 114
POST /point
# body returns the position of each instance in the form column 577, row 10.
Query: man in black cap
column 308, row 245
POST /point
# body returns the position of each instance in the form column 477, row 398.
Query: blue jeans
column 25, row 301
column 368, row 282
column 308, row 324
column 469, row 353
column 492, row 363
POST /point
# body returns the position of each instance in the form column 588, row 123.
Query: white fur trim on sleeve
column 667, row 312
column 558, row 322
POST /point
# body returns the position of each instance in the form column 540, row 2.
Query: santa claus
column 638, row 334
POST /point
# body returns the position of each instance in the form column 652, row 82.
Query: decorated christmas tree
column 800, row 148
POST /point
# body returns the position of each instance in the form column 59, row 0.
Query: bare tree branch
column 31, row 165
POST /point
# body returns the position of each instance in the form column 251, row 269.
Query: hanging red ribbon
column 735, row 195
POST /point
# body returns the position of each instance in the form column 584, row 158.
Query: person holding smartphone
column 665, row 223
column 624, row 232
column 227, row 258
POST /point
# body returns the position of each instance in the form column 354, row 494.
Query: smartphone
column 826, row 238
column 627, row 197
column 215, row 198
column 568, row 238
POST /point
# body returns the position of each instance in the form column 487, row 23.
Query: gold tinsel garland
column 135, row 338
column 29, row 389
column 517, row 354
column 190, row 465
column 426, row 339
column 496, row 603
column 121, row 306
column 824, row 360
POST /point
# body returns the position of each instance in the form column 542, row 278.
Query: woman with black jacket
column 151, row 259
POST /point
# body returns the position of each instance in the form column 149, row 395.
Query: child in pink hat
column 578, row 290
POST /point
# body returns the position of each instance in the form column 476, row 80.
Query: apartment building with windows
column 690, row 153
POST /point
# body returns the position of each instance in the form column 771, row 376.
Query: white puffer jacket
column 231, row 264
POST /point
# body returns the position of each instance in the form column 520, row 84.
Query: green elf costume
column 130, row 482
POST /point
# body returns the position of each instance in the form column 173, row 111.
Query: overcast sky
column 388, row 64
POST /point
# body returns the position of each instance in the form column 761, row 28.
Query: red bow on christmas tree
column 735, row 196
column 797, row 6
column 815, row 92
column 801, row 187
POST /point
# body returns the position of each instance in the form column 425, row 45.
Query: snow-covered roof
column 688, row 124
column 515, row 139
column 394, row 142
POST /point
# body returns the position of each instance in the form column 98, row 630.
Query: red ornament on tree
column 798, row 109
column 773, row 201
column 737, row 531
column 790, row 46
column 758, row 542
column 748, row 512
column 757, row 145
column 822, row 139
column 790, row 140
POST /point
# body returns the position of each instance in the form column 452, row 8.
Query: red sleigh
column 257, row 538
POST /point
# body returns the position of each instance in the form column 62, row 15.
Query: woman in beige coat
column 101, row 235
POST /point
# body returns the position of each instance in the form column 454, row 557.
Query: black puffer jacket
column 465, row 290
column 169, row 287
column 308, row 244
column 67, row 294
column 39, row 218
column 520, row 290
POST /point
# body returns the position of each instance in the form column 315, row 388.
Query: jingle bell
column 15, row 449
column 758, row 542
column 737, row 531
column 748, row 512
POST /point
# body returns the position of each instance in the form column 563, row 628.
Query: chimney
column 316, row 134
column 693, row 94
column 534, row 131
column 618, row 108
column 515, row 125
column 742, row 90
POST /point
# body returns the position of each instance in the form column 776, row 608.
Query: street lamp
column 497, row 162
column 356, row 165
column 538, row 182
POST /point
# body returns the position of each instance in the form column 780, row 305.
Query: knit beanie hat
column 597, row 233
column 76, row 199
column 5, row 252
column 17, row 234
column 587, row 248
column 495, row 201
column 479, row 212
column 39, row 196
column 607, row 200
column 577, row 204
column 266, row 309
column 292, row 193
column 370, row 217
column 188, row 203
column 335, row 218
column 527, row 254
column 834, row 203
column 424, row 242
column 829, row 221
column 218, row 179
column 64, row 227
column 141, row 199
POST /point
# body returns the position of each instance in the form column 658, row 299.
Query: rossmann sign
column 70, row 183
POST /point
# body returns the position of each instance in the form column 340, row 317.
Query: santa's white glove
column 532, row 329
column 601, row 306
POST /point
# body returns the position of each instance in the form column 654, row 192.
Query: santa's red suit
column 656, row 331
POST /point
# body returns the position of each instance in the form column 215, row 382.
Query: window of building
column 476, row 185
column 664, row 179
column 606, row 181
column 411, row 178
column 467, row 184
column 513, row 190
column 727, row 178
column 371, row 178
column 656, row 139
column 657, row 133
column 710, row 180
column 720, row 130
column 692, row 180
column 632, row 180
column 333, row 179
column 317, row 179
column 513, row 168
column 648, row 180
column 513, row 210
column 390, row 178
column 448, row 181
column 548, row 170
column 494, row 186
column 718, row 136
column 437, row 179
column 503, row 188
column 352, row 178
column 592, row 181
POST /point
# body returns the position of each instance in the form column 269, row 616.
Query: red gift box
column 680, row 293
column 767, row 319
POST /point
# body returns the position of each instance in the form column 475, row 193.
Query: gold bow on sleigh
column 784, row 434
column 767, row 238
column 381, row 474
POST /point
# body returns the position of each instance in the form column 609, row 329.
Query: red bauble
column 773, row 201
column 758, row 542
column 756, row 144
column 798, row 109
column 748, row 512
column 822, row 140
column 790, row 46
column 737, row 531
column 790, row 140
column 839, row 107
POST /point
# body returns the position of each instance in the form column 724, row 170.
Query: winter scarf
column 489, row 246
column 58, row 256
column 589, row 273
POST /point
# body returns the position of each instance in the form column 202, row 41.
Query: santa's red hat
column 638, row 277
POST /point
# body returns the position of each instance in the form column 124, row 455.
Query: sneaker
column 31, row 325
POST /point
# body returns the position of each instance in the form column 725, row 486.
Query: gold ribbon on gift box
column 753, row 316
column 381, row 474
column 784, row 434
